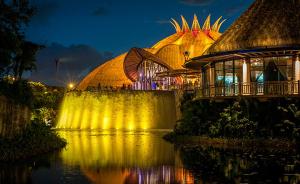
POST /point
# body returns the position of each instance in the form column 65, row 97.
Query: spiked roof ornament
column 206, row 25
column 219, row 25
column 185, row 25
column 176, row 25
column 196, row 25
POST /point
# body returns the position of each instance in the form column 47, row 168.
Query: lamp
column 71, row 85
column 186, row 56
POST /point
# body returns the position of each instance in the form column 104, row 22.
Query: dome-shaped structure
column 110, row 73
column 194, row 40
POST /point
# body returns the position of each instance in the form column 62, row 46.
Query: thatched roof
column 266, row 24
column 111, row 73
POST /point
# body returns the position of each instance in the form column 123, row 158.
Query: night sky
column 85, row 33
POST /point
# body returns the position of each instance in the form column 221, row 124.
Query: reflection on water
column 121, row 157
column 116, row 149
column 118, row 110
column 144, row 157
column 213, row 165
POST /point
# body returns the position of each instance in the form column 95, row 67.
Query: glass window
column 275, row 69
column 229, row 72
column 257, row 69
column 219, row 70
column 238, row 71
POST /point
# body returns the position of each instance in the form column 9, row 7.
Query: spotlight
column 71, row 86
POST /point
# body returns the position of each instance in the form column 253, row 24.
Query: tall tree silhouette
column 16, row 54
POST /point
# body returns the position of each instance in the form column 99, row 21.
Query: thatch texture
column 168, row 51
column 267, row 23
column 110, row 73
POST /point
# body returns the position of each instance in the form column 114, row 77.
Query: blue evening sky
column 83, row 34
column 118, row 25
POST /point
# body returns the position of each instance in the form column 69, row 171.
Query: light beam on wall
column 297, row 69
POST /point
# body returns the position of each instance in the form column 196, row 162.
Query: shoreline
column 229, row 143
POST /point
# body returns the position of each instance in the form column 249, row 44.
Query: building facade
column 257, row 56
column 146, row 68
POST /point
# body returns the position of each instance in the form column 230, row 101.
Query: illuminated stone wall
column 13, row 117
column 124, row 110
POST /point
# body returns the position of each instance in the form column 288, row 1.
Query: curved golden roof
column 134, row 57
column 110, row 73
column 195, row 40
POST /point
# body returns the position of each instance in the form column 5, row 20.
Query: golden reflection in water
column 133, row 110
column 115, row 149
column 123, row 157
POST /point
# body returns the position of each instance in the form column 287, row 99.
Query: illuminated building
column 257, row 56
column 139, row 67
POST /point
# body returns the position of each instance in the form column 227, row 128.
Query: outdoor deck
column 253, row 89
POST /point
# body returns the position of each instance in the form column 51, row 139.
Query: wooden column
column 246, row 76
column 212, row 79
column 296, row 73
column 297, row 68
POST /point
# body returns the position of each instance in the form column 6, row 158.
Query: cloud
column 234, row 9
column 44, row 11
column 100, row 11
column 74, row 62
column 162, row 21
column 197, row 2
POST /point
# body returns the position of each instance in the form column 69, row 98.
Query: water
column 133, row 110
column 144, row 157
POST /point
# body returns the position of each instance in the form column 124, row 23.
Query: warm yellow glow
column 103, row 149
column 245, row 72
column 137, row 110
column 192, row 38
column 71, row 86
column 113, row 157
column 297, row 69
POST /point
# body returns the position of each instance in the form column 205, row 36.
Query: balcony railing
column 278, row 88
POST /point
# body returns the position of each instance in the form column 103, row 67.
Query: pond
column 144, row 157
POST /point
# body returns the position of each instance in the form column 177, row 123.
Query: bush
column 240, row 118
column 18, row 91
column 197, row 117
column 36, row 139
column 234, row 124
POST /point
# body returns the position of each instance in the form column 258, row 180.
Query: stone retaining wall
column 13, row 117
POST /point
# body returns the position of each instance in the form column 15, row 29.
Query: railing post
column 298, row 86
column 240, row 89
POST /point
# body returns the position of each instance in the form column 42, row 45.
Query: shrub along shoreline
column 241, row 121
column 38, row 137
column 230, row 143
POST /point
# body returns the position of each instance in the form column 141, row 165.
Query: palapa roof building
column 258, row 55
column 266, row 25
column 123, row 70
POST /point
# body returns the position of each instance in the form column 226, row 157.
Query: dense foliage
column 36, row 139
column 17, row 54
column 18, row 91
column 44, row 101
column 240, row 118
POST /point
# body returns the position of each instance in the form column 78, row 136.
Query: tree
column 16, row 54
column 25, row 59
